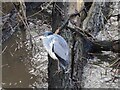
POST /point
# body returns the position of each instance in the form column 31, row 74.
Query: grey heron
column 57, row 48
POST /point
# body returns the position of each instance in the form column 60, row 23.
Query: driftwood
column 95, row 45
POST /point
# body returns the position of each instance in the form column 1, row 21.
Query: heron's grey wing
column 48, row 45
column 62, row 42
column 61, row 49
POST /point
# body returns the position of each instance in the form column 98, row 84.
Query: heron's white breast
column 48, row 44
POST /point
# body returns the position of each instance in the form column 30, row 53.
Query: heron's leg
column 58, row 65
column 59, row 69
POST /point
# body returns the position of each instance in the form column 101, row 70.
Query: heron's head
column 45, row 34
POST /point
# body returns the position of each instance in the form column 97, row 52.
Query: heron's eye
column 47, row 33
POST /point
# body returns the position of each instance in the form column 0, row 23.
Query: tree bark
column 72, row 80
column 55, row 80
column 97, row 16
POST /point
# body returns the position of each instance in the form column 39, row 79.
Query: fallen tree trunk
column 106, row 46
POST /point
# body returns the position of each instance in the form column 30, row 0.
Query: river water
column 24, row 66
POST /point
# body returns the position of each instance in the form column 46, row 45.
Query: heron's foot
column 58, row 71
column 67, row 71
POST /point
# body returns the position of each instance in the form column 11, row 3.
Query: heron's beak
column 41, row 37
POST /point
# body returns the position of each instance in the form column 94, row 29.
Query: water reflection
column 18, row 61
column 14, row 70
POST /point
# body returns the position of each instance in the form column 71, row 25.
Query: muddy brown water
column 14, row 71
column 18, row 67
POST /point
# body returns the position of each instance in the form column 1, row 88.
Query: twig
column 62, row 26
column 66, row 22
column 81, row 33
column 41, row 9
column 25, row 23
column 59, row 9
column 85, row 32
column 115, row 72
column 74, row 30
column 3, row 50
column 114, row 62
